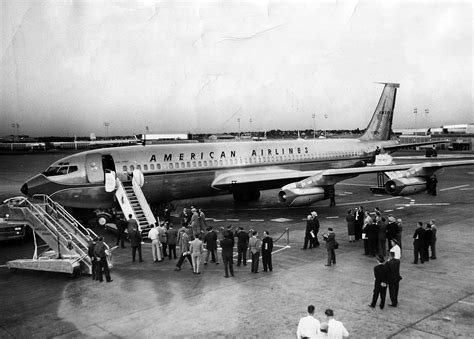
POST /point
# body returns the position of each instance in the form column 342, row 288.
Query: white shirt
column 336, row 329
column 308, row 327
column 397, row 250
column 153, row 234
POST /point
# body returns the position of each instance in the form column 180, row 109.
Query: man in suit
column 418, row 243
column 242, row 246
column 433, row 239
column 121, row 227
column 308, row 238
column 267, row 248
column 381, row 274
column 394, row 278
column 255, row 245
column 171, row 241
column 196, row 248
column 330, row 239
column 102, row 266
column 91, row 254
column 135, row 242
column 210, row 239
column 227, row 255
column 359, row 222
column 315, row 222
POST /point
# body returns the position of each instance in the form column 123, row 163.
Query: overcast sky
column 198, row 66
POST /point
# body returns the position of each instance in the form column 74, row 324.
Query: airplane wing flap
column 225, row 180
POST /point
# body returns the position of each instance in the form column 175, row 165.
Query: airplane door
column 94, row 170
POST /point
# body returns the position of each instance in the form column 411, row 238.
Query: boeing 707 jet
column 305, row 170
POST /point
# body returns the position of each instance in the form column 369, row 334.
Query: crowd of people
column 381, row 236
column 193, row 238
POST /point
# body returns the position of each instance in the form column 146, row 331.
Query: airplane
column 304, row 169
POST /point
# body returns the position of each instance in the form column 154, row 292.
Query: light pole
column 106, row 126
column 427, row 111
column 250, row 126
column 415, row 111
column 325, row 126
column 238, row 121
column 314, row 125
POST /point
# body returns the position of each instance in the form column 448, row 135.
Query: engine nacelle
column 290, row 195
column 405, row 186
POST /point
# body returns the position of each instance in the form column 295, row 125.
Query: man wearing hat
column 394, row 278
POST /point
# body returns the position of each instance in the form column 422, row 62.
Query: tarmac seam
column 430, row 315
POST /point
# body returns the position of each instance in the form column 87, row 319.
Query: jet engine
column 291, row 195
column 405, row 186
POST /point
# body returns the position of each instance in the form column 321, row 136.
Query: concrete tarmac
column 152, row 300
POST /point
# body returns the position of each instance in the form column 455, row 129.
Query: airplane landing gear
column 246, row 196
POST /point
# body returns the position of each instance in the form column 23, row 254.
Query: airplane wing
column 305, row 187
column 329, row 176
column 393, row 148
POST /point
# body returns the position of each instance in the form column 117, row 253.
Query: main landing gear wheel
column 246, row 196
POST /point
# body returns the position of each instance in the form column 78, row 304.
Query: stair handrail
column 150, row 218
column 52, row 223
column 121, row 189
column 69, row 218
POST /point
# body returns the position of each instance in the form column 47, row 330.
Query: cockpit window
column 60, row 169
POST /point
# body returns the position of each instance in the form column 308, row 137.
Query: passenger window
column 139, row 167
column 171, row 165
column 132, row 168
column 194, row 163
column 152, row 167
column 158, row 166
column 215, row 163
column 221, row 162
column 205, row 162
column 188, row 164
column 199, row 163
column 176, row 164
column 124, row 168
column 145, row 167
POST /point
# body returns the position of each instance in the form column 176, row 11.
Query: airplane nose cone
column 24, row 189
column 39, row 184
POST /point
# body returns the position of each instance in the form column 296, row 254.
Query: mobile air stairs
column 66, row 239
column 132, row 201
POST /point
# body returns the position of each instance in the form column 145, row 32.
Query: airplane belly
column 84, row 197
column 172, row 186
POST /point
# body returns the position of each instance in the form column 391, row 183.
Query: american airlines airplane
column 305, row 170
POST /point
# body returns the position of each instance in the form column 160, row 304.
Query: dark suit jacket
column 242, row 239
column 135, row 237
column 419, row 235
column 330, row 240
column 267, row 245
column 381, row 273
column 393, row 266
column 227, row 247
column 211, row 240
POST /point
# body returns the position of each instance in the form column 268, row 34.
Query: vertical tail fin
column 380, row 125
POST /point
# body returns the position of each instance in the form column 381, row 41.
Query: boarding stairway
column 132, row 201
column 61, row 232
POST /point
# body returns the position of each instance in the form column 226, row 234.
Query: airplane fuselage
column 179, row 171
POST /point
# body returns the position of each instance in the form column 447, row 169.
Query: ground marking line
column 465, row 302
column 335, row 217
column 257, row 219
column 346, row 184
column 467, row 189
column 232, row 219
column 426, row 204
column 453, row 188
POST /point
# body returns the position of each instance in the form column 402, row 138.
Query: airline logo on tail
column 380, row 125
